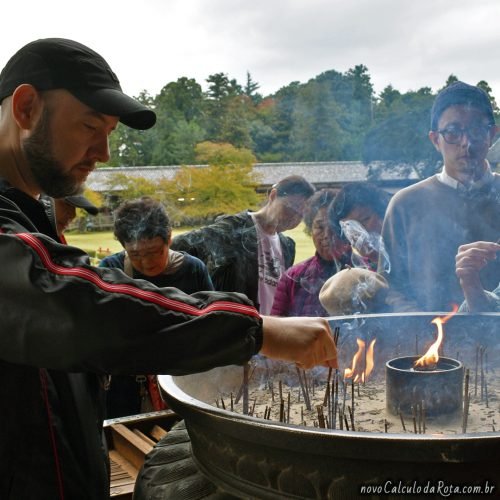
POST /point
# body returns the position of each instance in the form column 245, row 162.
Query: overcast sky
column 149, row 43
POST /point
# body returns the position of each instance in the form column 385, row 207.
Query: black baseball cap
column 461, row 93
column 79, row 201
column 59, row 63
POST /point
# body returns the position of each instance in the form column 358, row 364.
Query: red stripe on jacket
column 148, row 296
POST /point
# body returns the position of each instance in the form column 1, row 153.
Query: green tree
column 180, row 110
column 450, row 80
column 183, row 98
column 486, row 87
column 250, row 89
column 400, row 132
column 228, row 111
column 199, row 192
column 131, row 187
column 129, row 147
column 316, row 134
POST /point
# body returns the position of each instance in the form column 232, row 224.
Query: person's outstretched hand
column 469, row 261
column 473, row 257
column 306, row 341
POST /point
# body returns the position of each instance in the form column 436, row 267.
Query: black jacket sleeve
column 61, row 313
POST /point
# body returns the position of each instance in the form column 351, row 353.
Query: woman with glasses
column 426, row 223
column 143, row 228
column 298, row 289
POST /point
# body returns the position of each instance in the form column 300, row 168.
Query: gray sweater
column 423, row 228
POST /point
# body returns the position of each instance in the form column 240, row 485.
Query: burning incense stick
column 330, row 371
column 336, row 401
column 351, row 414
column 481, row 359
column 271, row 388
column 304, row 392
column 267, row 413
column 288, row 409
column 402, row 421
column 475, row 370
column 422, row 409
column 466, row 402
column 414, row 419
column 344, row 394
column 336, row 334
column 321, row 417
column 418, row 408
column 306, row 385
column 352, row 394
column 246, row 379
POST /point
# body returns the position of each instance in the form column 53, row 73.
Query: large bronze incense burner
column 278, row 446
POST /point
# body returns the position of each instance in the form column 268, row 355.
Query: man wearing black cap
column 65, row 322
column 427, row 222
column 65, row 211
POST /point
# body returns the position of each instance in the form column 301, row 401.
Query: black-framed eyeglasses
column 476, row 133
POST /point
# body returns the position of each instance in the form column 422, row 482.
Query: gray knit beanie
column 464, row 94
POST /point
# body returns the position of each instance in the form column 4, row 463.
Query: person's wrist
column 471, row 281
column 259, row 337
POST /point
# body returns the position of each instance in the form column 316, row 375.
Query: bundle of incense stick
column 336, row 334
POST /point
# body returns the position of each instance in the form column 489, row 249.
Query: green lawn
column 93, row 241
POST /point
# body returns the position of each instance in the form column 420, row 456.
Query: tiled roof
column 318, row 173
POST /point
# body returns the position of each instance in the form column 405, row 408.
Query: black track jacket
column 63, row 323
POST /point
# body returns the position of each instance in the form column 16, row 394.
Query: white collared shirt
column 487, row 178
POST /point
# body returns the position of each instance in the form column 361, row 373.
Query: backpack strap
column 127, row 266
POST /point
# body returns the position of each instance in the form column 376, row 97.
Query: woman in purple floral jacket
column 298, row 288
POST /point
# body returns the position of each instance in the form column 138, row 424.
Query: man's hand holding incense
column 306, row 341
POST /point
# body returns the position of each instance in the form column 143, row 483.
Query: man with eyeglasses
column 426, row 223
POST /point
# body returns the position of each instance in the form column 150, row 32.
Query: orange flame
column 431, row 357
column 358, row 372
column 369, row 358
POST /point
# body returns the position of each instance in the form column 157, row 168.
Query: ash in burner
column 470, row 339
column 277, row 392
